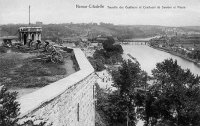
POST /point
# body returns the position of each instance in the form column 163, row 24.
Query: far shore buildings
column 38, row 23
column 70, row 41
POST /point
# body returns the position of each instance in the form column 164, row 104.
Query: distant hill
column 91, row 30
column 191, row 28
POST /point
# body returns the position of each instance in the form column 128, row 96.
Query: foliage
column 195, row 54
column 9, row 108
column 173, row 98
column 108, row 57
column 129, row 77
column 101, row 96
column 109, row 47
column 97, row 64
column 32, row 121
column 108, row 44
column 119, row 49
column 101, row 57
column 119, row 106
column 76, row 43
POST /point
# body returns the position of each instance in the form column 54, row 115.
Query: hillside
column 57, row 31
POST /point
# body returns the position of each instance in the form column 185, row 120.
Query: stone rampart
column 67, row 102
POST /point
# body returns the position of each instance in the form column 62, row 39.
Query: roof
column 30, row 29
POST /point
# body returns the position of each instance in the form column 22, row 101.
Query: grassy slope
column 18, row 70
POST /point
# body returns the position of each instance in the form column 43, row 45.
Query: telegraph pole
column 29, row 15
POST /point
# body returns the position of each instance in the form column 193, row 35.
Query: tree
column 119, row 49
column 108, row 44
column 108, row 57
column 121, row 104
column 97, row 64
column 9, row 108
column 174, row 97
column 101, row 95
column 109, row 47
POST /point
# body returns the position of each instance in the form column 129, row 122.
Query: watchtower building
column 29, row 34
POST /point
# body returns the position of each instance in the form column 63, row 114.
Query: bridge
column 138, row 41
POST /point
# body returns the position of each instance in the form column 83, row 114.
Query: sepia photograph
column 99, row 62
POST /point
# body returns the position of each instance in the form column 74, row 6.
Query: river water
column 148, row 57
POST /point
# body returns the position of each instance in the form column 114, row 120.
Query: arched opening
column 32, row 37
column 25, row 39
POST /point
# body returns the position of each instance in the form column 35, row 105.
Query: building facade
column 30, row 33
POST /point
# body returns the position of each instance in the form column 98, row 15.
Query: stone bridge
column 67, row 102
column 135, row 41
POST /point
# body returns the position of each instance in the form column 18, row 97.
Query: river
column 148, row 57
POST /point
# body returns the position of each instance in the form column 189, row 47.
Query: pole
column 29, row 15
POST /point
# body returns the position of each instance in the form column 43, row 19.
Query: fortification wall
column 67, row 102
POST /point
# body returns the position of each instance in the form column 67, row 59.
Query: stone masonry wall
column 75, row 107
column 67, row 102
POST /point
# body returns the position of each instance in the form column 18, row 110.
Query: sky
column 65, row 11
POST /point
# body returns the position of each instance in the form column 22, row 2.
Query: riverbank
column 148, row 58
column 176, row 54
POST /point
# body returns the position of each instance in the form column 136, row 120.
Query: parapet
column 30, row 29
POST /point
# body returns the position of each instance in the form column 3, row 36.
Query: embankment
column 176, row 54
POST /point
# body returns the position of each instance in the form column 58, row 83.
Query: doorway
column 25, row 39
column 32, row 36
